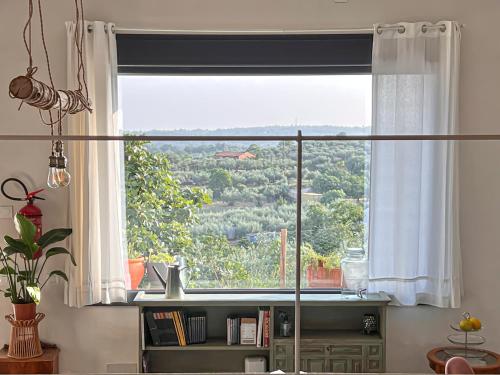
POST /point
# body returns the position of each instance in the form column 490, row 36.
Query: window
column 229, row 207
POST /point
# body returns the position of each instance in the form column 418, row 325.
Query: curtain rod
column 257, row 138
column 365, row 30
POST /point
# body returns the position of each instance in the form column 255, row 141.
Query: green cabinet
column 325, row 356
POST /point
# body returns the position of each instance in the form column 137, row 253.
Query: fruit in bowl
column 470, row 323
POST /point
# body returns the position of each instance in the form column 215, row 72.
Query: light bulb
column 63, row 178
column 52, row 177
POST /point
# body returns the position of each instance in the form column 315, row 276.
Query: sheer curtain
column 96, row 212
column 414, row 235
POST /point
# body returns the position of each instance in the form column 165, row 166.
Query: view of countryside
column 229, row 208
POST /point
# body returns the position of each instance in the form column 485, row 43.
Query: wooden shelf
column 334, row 335
column 211, row 344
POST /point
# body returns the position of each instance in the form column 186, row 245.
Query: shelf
column 260, row 299
column 212, row 344
column 334, row 335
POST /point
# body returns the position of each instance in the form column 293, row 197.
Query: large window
column 228, row 208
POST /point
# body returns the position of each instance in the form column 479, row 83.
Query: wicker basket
column 24, row 340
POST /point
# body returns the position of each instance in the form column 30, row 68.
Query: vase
column 24, row 311
column 136, row 271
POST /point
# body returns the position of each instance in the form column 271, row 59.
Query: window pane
column 335, row 184
column 229, row 208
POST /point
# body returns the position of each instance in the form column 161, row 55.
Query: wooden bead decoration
column 24, row 340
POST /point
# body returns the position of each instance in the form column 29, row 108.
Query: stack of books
column 169, row 328
column 249, row 330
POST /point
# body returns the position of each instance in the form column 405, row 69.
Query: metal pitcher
column 174, row 288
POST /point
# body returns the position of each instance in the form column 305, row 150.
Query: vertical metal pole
column 298, row 241
column 283, row 242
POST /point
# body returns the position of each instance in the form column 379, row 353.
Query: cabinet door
column 338, row 365
column 314, row 364
column 283, row 364
column 356, row 366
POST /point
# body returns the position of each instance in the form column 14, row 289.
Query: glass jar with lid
column 354, row 268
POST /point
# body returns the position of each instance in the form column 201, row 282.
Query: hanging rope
column 39, row 94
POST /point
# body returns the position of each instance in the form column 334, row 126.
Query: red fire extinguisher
column 30, row 211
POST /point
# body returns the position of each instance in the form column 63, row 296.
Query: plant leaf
column 20, row 246
column 58, row 273
column 34, row 292
column 25, row 228
column 8, row 270
column 60, row 250
column 53, row 236
column 9, row 250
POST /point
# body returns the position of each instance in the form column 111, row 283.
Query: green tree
column 219, row 180
column 160, row 211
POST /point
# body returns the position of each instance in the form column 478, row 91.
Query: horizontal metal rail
column 256, row 138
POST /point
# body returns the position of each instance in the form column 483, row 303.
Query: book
column 267, row 328
column 260, row 326
column 248, row 331
column 161, row 328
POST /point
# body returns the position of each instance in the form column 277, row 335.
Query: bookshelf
column 331, row 336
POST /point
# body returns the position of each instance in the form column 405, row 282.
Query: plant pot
column 136, row 271
column 24, row 311
column 321, row 277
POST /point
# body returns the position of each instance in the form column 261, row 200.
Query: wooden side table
column 47, row 363
column 484, row 361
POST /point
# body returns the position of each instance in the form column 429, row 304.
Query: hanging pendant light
column 46, row 98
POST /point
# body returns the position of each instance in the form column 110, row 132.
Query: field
column 233, row 210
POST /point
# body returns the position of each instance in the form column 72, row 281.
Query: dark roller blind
column 244, row 54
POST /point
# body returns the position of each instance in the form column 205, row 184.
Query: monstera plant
column 23, row 261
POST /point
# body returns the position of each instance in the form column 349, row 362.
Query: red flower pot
column 136, row 271
column 321, row 277
column 24, row 311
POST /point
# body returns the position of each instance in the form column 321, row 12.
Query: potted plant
column 322, row 271
column 23, row 261
column 135, row 267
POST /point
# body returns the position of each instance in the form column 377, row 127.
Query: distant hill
column 252, row 131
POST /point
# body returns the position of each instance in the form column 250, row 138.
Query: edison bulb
column 63, row 177
column 52, row 176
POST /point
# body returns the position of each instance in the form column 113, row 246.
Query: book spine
column 267, row 326
column 171, row 315
column 260, row 326
column 228, row 322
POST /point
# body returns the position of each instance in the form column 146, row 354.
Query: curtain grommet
column 401, row 29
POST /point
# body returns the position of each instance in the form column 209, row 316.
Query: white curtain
column 414, row 236
column 96, row 211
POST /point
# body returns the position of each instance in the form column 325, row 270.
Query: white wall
column 92, row 337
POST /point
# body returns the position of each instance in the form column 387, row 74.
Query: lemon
column 466, row 325
column 476, row 323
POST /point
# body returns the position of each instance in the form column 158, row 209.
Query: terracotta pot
column 321, row 277
column 24, row 311
column 136, row 271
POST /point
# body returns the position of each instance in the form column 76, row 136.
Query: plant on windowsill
column 23, row 261
column 322, row 271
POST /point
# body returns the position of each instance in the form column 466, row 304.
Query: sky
column 222, row 102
